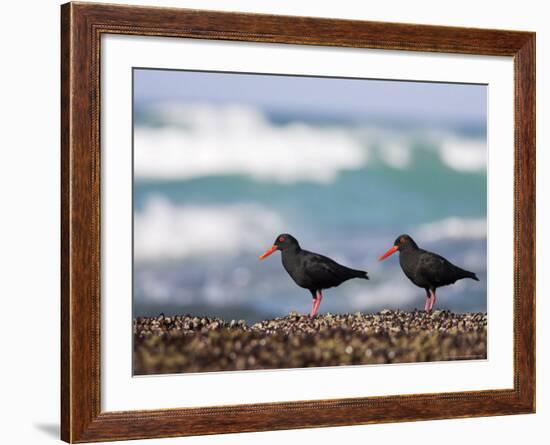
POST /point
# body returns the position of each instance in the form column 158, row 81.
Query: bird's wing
column 323, row 270
column 435, row 269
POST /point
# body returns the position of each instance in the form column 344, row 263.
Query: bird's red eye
column 281, row 239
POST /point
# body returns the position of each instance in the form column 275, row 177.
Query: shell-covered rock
column 186, row 343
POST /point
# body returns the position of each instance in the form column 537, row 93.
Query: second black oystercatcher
column 310, row 270
column 426, row 269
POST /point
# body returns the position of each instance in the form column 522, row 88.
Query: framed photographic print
column 275, row 222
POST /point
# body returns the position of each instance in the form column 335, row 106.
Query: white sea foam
column 239, row 140
column 464, row 154
column 453, row 228
column 163, row 230
column 205, row 140
column 396, row 154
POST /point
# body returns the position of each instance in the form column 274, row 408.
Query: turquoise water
column 213, row 188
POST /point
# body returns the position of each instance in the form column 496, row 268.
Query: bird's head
column 282, row 242
column 402, row 242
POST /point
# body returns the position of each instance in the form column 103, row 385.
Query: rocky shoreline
column 187, row 343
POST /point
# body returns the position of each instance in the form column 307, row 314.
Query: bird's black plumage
column 426, row 269
column 310, row 270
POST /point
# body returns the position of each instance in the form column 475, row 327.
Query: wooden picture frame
column 82, row 26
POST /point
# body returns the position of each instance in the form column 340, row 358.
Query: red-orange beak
column 390, row 251
column 268, row 252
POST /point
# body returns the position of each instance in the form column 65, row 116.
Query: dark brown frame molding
column 82, row 25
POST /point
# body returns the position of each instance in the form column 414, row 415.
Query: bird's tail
column 468, row 274
column 360, row 274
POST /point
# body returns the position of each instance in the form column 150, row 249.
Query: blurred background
column 224, row 162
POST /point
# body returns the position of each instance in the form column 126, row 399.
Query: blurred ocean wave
column 164, row 231
column 453, row 228
column 204, row 140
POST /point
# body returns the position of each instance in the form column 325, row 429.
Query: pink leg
column 316, row 304
column 319, row 298
column 427, row 303
column 432, row 300
column 313, row 304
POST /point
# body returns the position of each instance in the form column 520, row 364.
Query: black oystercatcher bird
column 311, row 270
column 426, row 269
